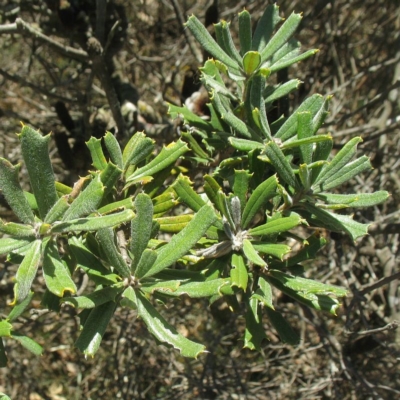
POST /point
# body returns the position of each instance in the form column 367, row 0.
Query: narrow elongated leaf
column 272, row 94
column 163, row 331
column 357, row 200
column 261, row 194
column 174, row 224
column 26, row 272
column 167, row 156
column 164, row 202
column 96, row 152
column 182, row 242
column 137, row 149
column 254, row 333
column 284, row 33
column 117, row 206
column 94, row 223
column 35, row 151
column 17, row 230
column 241, row 186
column 341, row 159
column 245, row 144
column 7, row 245
column 285, row 331
column 188, row 116
column 265, row 27
column 12, row 191
column 274, row 249
column 208, row 43
column 87, row 201
column 109, row 177
column 245, row 32
column 186, row 194
column 57, row 212
column 264, row 293
column 19, row 308
column 305, row 130
column 239, row 272
column 106, row 238
column 95, row 299
column 288, row 61
column 56, row 274
column 224, row 39
column 95, row 326
column 251, row 254
column 278, row 225
column 28, row 343
column 114, row 149
column 280, row 163
column 146, row 262
column 141, row 227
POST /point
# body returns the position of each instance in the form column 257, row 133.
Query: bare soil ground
column 355, row 355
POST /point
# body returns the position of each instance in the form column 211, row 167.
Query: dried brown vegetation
column 353, row 356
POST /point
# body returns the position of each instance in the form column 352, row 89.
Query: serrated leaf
column 87, row 201
column 167, row 156
column 93, row 223
column 26, row 272
column 163, row 331
column 34, row 148
column 261, row 194
column 56, row 274
column 274, row 249
column 278, row 225
column 114, row 149
column 28, row 343
column 96, row 152
column 95, row 326
column 182, row 242
column 280, row 163
column 239, row 273
column 106, row 238
column 12, row 191
column 357, row 200
column 96, row 298
column 285, row 331
column 186, row 194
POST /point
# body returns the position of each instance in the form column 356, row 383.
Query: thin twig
column 389, row 327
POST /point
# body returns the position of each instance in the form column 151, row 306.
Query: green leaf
column 117, row 206
column 95, row 326
column 265, row 27
column 261, row 194
column 145, row 263
column 12, row 191
column 2, row 395
column 188, row 116
column 278, row 225
column 245, row 32
column 272, row 93
column 224, row 39
column 141, row 227
column 114, row 149
column 280, row 163
column 241, row 187
column 164, row 203
column 19, row 308
column 26, row 272
column 285, row 331
column 106, row 238
column 93, row 223
column 28, row 343
column 281, row 37
column 254, row 333
column 57, row 212
column 35, row 151
column 174, row 224
column 290, row 60
column 186, row 194
column 87, row 201
column 208, row 43
column 17, row 230
column 109, row 177
column 163, row 331
column 5, row 328
column 264, row 293
column 239, row 273
column 167, row 156
column 182, row 242
column 90, row 264
column 245, row 144
column 251, row 61
column 56, row 274
column 95, row 299
column 252, row 254
column 274, row 249
column 7, row 245
column 96, row 152
column 358, row 200
column 128, row 298
column 137, row 149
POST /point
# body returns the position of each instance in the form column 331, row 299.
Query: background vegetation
column 355, row 355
